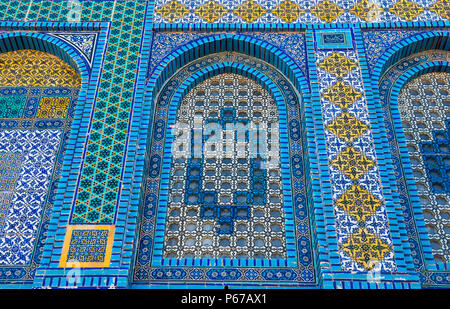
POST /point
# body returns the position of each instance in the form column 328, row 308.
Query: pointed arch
column 169, row 94
column 401, row 64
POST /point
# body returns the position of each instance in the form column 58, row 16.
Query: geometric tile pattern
column 298, row 11
column 423, row 106
column 226, row 203
column 249, row 11
column 211, row 11
column 31, row 68
column 363, row 238
column 442, row 8
column 88, row 245
column 83, row 42
column 288, row 11
column 10, row 165
column 338, row 65
column 335, row 39
column 96, row 198
column 327, row 11
column 172, row 11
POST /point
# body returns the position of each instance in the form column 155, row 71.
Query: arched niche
column 39, row 87
column 414, row 114
column 179, row 95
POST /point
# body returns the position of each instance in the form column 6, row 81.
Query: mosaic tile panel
column 298, row 11
column 346, row 125
column 227, row 202
column 424, row 109
column 336, row 39
column 98, row 186
column 30, row 180
column 10, row 164
column 12, row 10
column 362, row 228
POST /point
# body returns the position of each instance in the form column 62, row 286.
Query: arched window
column 225, row 199
column 37, row 96
column 424, row 106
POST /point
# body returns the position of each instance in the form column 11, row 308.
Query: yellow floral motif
column 365, row 248
column 337, row 64
column 342, row 94
column 406, row 9
column 53, row 107
column 172, row 11
column 32, row 68
column 358, row 203
column 249, row 11
column 352, row 163
column 211, row 11
column 288, row 11
column 441, row 7
column 327, row 11
column 347, row 127
column 366, row 10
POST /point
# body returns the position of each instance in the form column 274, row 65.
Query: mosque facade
column 212, row 143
